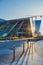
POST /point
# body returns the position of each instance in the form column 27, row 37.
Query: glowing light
column 32, row 25
column 41, row 27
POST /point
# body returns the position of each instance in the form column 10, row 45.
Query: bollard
column 32, row 51
column 13, row 53
column 23, row 48
column 28, row 44
column 32, row 47
column 29, row 47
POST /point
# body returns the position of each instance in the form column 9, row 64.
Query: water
column 39, row 48
column 38, row 53
column 34, row 58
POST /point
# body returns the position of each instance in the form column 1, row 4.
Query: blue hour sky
column 11, row 9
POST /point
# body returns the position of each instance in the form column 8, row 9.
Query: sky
column 12, row 9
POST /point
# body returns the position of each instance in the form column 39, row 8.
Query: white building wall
column 32, row 22
column 41, row 27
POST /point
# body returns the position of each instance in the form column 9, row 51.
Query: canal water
column 35, row 57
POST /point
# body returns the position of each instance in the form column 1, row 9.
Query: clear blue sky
column 11, row 9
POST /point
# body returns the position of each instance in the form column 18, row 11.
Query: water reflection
column 35, row 58
column 33, row 54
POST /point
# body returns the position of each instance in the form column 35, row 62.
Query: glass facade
column 37, row 24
